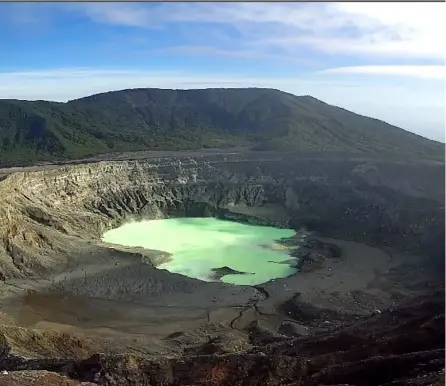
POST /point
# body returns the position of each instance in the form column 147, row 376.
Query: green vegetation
column 148, row 119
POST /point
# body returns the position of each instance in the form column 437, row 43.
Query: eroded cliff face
column 48, row 216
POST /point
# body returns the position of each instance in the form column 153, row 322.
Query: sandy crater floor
column 361, row 280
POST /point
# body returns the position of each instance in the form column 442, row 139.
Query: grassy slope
column 142, row 119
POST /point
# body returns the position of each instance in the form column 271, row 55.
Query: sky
column 384, row 60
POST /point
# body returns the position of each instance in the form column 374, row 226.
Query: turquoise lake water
column 199, row 244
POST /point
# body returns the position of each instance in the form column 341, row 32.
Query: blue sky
column 385, row 60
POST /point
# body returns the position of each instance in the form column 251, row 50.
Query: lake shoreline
column 198, row 246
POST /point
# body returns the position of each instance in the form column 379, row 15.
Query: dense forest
column 145, row 119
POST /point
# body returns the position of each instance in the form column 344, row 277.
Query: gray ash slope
column 143, row 119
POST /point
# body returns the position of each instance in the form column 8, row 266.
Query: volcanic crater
column 374, row 239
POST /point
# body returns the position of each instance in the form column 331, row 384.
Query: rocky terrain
column 365, row 308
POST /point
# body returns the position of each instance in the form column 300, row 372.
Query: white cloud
column 129, row 14
column 401, row 30
column 413, row 29
column 424, row 72
column 386, row 29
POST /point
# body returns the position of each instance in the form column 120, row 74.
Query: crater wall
column 48, row 217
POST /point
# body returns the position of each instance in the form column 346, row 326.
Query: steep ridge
column 142, row 119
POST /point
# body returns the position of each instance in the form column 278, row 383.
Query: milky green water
column 199, row 244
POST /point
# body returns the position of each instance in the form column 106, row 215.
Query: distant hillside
column 143, row 119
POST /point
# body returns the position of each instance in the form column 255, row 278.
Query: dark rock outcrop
column 218, row 273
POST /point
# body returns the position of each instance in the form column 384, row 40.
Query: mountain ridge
column 166, row 119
